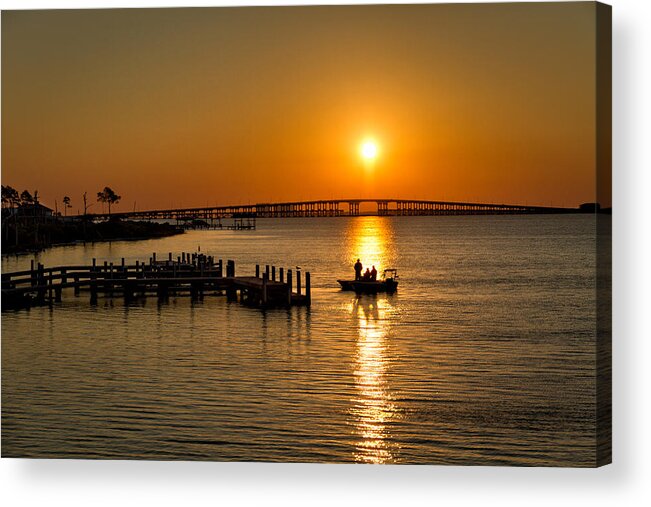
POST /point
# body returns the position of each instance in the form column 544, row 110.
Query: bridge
column 333, row 208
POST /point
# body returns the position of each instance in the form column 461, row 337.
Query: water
column 484, row 356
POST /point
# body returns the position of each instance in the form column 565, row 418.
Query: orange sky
column 188, row 107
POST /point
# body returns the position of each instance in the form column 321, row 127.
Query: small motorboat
column 388, row 283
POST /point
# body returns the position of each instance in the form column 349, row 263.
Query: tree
column 10, row 197
column 26, row 198
column 66, row 205
column 109, row 197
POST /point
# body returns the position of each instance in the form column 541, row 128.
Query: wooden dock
column 194, row 275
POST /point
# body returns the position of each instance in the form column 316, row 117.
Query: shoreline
column 56, row 234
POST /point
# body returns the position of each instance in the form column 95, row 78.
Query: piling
column 282, row 275
column 289, row 287
column 40, row 295
column 308, row 289
column 298, row 282
column 265, row 279
column 257, row 270
column 273, row 273
column 93, row 292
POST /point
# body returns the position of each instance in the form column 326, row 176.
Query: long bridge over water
column 335, row 208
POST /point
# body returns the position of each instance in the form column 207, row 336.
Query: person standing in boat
column 358, row 270
column 374, row 274
column 367, row 275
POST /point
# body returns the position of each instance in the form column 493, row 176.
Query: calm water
column 484, row 356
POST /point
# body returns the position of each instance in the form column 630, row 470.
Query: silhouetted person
column 373, row 274
column 367, row 275
column 358, row 270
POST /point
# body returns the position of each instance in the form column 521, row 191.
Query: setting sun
column 369, row 150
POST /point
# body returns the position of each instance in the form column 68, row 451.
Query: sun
column 369, row 150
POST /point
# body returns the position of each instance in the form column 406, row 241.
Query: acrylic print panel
column 351, row 234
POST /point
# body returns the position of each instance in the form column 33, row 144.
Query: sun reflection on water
column 370, row 241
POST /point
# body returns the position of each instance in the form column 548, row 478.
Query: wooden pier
column 194, row 275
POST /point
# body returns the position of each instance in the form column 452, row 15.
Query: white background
column 626, row 482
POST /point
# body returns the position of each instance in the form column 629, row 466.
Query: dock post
column 308, row 289
column 273, row 273
column 153, row 258
column 298, row 282
column 94, row 264
column 57, row 294
column 265, row 279
column 111, row 280
column 64, row 275
column 281, row 275
column 220, row 268
column 289, row 287
column 231, row 291
column 75, row 277
column 128, row 291
column 169, row 256
column 266, row 271
column 40, row 295
column 122, row 263
column 93, row 292
column 257, row 270
column 183, row 257
column 33, row 274
column 50, row 287
column 161, row 289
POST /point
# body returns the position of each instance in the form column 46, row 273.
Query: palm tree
column 108, row 196
column 66, row 205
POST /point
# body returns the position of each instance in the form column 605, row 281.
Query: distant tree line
column 11, row 198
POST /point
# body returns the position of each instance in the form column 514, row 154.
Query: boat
column 388, row 283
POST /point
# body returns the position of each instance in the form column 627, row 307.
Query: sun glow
column 369, row 150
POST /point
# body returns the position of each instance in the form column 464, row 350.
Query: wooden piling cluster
column 193, row 274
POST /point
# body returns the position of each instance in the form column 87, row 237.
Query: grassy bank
column 30, row 236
